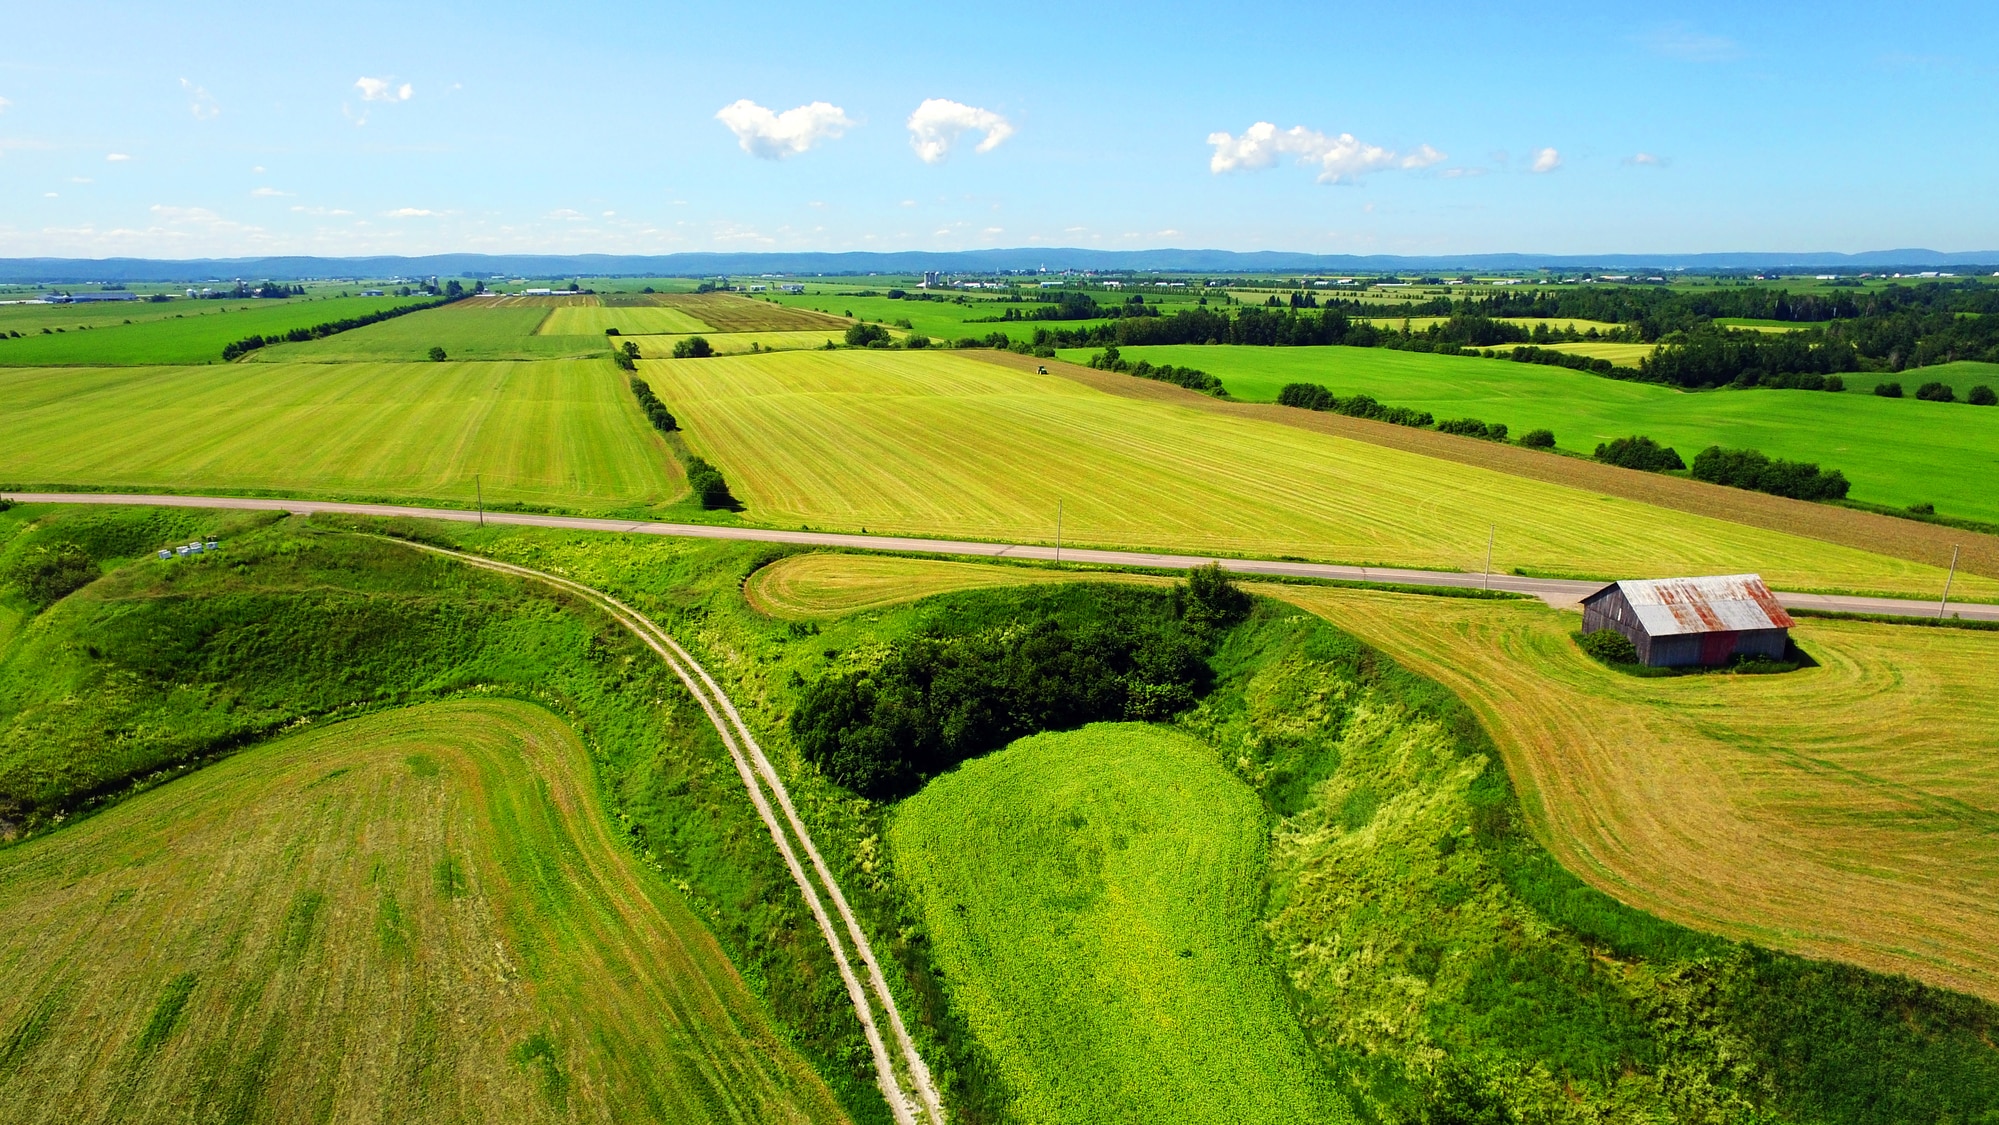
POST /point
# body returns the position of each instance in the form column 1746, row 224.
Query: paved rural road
column 1554, row 591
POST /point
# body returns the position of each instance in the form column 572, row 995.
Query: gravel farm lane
column 1554, row 591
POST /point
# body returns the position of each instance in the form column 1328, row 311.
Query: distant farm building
column 1676, row 622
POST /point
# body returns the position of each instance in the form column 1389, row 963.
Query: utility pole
column 479, row 491
column 1947, row 581
column 1058, row 533
column 1491, row 530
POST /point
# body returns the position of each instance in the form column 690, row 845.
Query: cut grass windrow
column 921, row 1101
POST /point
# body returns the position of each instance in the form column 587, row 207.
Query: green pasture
column 1093, row 899
column 196, row 332
column 25, row 318
column 630, row 320
column 949, row 320
column 1895, row 451
column 563, row 434
column 463, row 331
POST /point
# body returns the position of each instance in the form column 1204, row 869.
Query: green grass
column 631, row 321
column 195, row 333
column 945, row 319
column 463, row 331
column 937, row 443
column 1092, row 897
column 552, row 433
column 266, row 939
column 1894, row 451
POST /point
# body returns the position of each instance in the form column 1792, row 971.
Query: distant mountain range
column 84, row 270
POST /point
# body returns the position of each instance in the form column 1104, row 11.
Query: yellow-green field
column 916, row 443
column 1845, row 810
column 630, row 321
column 562, row 433
column 826, row 585
column 736, row 343
column 420, row 915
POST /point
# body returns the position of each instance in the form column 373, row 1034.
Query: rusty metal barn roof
column 1722, row 604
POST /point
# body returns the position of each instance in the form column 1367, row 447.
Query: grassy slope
column 421, row 913
column 1894, row 451
column 939, row 444
column 1092, row 897
column 629, row 321
column 463, row 330
column 197, row 335
column 1845, row 810
column 566, row 434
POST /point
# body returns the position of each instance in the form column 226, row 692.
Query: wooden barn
column 1675, row 622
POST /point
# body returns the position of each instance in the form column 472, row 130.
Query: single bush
column 1888, row 390
column 1935, row 392
column 1538, row 439
column 1835, row 383
column 1640, row 452
column 437, row 354
column 47, row 574
column 1210, row 598
column 917, row 340
column 867, row 336
column 1981, row 395
column 694, row 347
column 1608, row 646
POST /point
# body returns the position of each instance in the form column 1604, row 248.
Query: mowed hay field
column 196, row 333
column 734, row 343
column 593, row 320
column 564, row 434
column 827, row 585
column 727, row 312
column 1894, row 451
column 1846, row 810
column 462, row 329
column 1092, row 897
column 418, row 915
column 916, row 443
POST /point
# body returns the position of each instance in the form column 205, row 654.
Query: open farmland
column 1895, row 451
column 1093, row 899
column 1844, row 810
column 734, row 343
column 727, row 312
column 463, row 330
column 196, row 333
column 420, row 914
column 940, row 444
column 628, row 320
column 563, row 434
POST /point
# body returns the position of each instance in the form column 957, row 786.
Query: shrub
column 612, row 332
column 1835, row 383
column 1472, row 427
column 867, row 336
column 1888, row 390
column 46, row 575
column 1640, row 452
column 694, row 347
column 1981, row 395
column 917, row 340
column 1311, row 396
column 1935, row 392
column 707, row 483
column 1608, row 646
column 437, row 354
column 655, row 410
column 1750, row 469
column 1210, row 598
column 1538, row 439
column 631, row 349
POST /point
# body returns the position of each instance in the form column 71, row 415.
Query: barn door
column 1716, row 648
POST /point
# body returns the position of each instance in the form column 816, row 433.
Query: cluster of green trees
column 655, row 411
column 1712, row 357
column 1191, row 378
column 1641, row 453
column 1312, row 396
column 1079, row 306
column 250, row 344
column 1473, row 427
column 695, row 347
column 707, row 484
column 1046, row 659
column 627, row 356
column 1751, row 469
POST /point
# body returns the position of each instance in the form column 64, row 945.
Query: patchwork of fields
column 196, row 332
column 1890, row 449
column 593, row 321
column 419, row 914
column 464, row 330
column 938, row 444
column 563, row 434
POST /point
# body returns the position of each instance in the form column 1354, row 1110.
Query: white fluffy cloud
column 200, row 102
column 117, row 157
column 774, row 136
column 939, row 122
column 4, row 103
column 1647, row 160
column 383, row 90
column 1547, row 160
column 409, row 213
column 1339, row 158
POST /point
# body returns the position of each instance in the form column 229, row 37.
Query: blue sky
column 222, row 129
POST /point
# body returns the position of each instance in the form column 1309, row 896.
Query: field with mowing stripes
column 1845, row 810
column 920, row 443
column 1093, row 897
column 197, row 332
column 421, row 914
column 463, row 330
column 1890, row 449
column 823, row 584
column 566, row 434
column 736, row 343
column 592, row 321
column 727, row 312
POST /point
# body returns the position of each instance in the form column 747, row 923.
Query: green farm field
column 421, row 914
column 738, row 343
column 631, row 321
column 196, row 333
column 934, row 443
column 1093, row 898
column 946, row 319
column 463, row 330
column 565, row 434
column 1894, row 451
